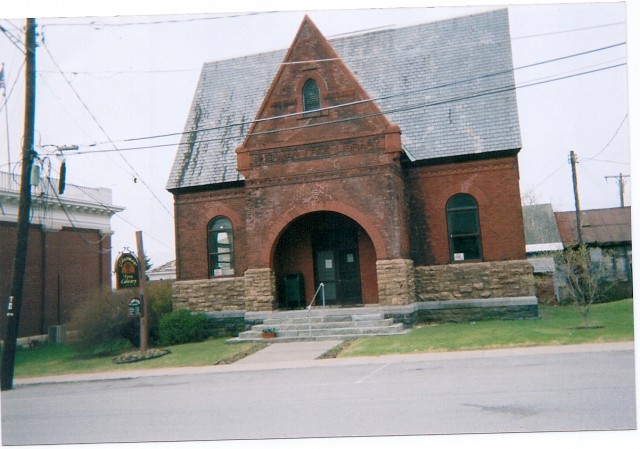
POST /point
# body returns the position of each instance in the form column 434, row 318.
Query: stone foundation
column 396, row 282
column 474, row 281
column 464, row 310
column 260, row 289
column 439, row 293
column 209, row 295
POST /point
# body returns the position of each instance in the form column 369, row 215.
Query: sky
column 107, row 83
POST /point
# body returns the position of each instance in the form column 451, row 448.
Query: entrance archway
column 325, row 247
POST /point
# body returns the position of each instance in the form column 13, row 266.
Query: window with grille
column 310, row 96
column 220, row 237
column 464, row 228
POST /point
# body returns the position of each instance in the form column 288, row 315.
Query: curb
column 310, row 363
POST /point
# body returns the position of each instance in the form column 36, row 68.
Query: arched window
column 464, row 228
column 310, row 96
column 220, row 236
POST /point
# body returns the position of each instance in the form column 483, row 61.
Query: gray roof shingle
column 540, row 225
column 449, row 86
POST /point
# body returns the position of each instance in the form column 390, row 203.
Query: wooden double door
column 337, row 266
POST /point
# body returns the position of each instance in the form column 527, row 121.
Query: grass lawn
column 556, row 326
column 61, row 359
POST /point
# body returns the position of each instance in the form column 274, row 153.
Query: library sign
column 127, row 271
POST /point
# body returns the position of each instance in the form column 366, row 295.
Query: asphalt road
column 503, row 391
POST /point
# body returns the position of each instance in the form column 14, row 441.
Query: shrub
column 181, row 326
column 101, row 323
column 159, row 299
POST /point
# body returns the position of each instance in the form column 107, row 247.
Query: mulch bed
column 137, row 356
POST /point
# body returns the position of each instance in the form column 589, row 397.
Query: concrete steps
column 320, row 327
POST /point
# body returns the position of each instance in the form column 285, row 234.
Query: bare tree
column 585, row 279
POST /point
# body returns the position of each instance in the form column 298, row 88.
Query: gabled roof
column 599, row 226
column 540, row 229
column 449, row 86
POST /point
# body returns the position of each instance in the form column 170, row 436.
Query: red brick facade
column 494, row 185
column 63, row 268
column 316, row 173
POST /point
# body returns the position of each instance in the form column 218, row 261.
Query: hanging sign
column 127, row 271
column 135, row 309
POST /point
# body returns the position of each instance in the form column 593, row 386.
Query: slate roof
column 449, row 86
column 540, row 228
column 599, row 226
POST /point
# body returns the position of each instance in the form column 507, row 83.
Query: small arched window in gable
column 310, row 96
column 221, row 257
column 464, row 228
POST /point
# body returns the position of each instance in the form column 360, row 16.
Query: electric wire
column 587, row 159
column 626, row 116
column 113, row 212
column 79, row 231
column 359, row 117
column 15, row 81
column 107, row 135
column 375, row 99
column 552, row 33
column 162, row 22
column 14, row 40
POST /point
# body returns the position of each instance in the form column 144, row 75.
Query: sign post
column 130, row 274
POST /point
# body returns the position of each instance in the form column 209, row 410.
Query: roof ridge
column 352, row 34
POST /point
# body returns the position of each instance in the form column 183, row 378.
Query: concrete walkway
column 305, row 355
column 289, row 352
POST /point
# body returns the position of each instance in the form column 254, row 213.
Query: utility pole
column 3, row 86
column 620, row 179
column 144, row 320
column 19, row 262
column 572, row 161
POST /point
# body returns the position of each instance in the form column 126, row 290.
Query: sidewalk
column 305, row 355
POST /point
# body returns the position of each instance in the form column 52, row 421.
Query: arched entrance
column 325, row 247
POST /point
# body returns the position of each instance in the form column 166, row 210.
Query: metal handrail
column 313, row 300
column 321, row 286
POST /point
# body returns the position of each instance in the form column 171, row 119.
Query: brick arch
column 464, row 187
column 275, row 231
column 320, row 82
column 220, row 210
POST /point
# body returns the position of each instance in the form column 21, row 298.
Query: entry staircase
column 291, row 328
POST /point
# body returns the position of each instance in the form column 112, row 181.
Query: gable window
column 464, row 228
column 220, row 237
column 310, row 96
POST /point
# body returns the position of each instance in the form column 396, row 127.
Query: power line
column 107, row 135
column 73, row 226
column 612, row 137
column 347, row 119
column 551, row 33
column 607, row 162
column 122, row 72
column 588, row 159
column 14, row 40
column 97, row 24
column 384, row 97
column 451, row 100
column 113, row 212
column 15, row 81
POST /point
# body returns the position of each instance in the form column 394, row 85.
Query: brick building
column 382, row 165
column 68, row 254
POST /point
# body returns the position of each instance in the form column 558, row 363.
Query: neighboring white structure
column 78, row 207
column 68, row 252
column 165, row 272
